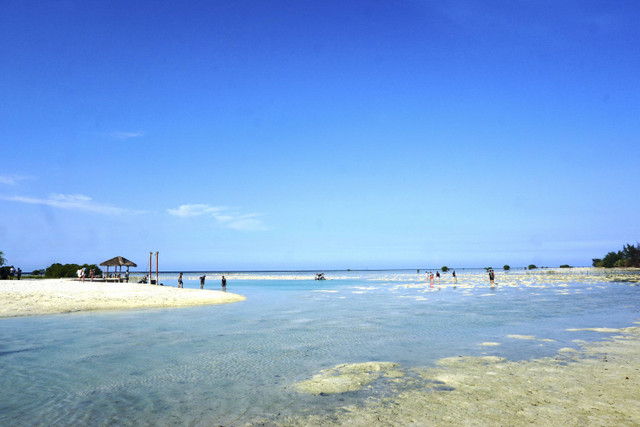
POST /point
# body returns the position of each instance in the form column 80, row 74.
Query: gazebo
column 115, row 262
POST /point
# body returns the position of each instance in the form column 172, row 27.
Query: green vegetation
column 445, row 268
column 57, row 270
column 4, row 271
column 629, row 256
column 565, row 266
column 532, row 267
column 506, row 267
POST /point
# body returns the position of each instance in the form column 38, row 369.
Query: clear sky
column 318, row 134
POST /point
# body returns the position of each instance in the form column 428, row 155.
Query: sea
column 237, row 364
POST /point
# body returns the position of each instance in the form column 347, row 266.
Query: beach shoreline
column 56, row 296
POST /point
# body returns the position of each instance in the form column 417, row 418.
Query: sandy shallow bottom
column 52, row 296
column 593, row 384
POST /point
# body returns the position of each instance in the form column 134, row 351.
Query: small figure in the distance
column 202, row 281
column 224, row 284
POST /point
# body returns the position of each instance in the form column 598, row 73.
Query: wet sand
column 53, row 296
column 592, row 384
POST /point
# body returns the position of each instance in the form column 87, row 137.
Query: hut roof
column 119, row 261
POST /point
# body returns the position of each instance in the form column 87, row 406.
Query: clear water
column 233, row 364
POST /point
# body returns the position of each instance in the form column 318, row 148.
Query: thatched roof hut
column 116, row 262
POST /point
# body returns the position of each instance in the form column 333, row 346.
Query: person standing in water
column 180, row 284
column 492, row 277
column 455, row 278
column 224, row 284
column 202, row 281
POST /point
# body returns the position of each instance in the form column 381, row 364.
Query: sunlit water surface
column 233, row 364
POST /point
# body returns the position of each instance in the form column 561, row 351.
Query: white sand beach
column 52, row 296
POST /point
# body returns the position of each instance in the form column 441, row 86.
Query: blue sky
column 318, row 135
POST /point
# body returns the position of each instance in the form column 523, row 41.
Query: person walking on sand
column 202, row 281
column 92, row 274
column 19, row 273
column 11, row 273
column 180, row 284
column 224, row 284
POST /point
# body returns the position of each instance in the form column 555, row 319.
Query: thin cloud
column 126, row 135
column 223, row 216
column 12, row 180
column 78, row 202
column 186, row 211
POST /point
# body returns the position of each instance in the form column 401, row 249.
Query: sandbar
column 55, row 296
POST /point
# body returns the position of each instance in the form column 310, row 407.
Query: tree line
column 629, row 256
column 57, row 270
column 54, row 271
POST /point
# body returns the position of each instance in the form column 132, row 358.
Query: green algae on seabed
column 595, row 386
column 347, row 377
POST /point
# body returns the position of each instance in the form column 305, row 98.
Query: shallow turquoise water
column 232, row 364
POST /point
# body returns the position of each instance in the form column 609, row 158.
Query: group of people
column 202, row 279
column 82, row 274
column 14, row 272
column 430, row 277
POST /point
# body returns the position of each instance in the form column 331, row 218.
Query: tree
column 629, row 256
column 532, row 267
column 565, row 266
column 445, row 268
column 506, row 267
column 610, row 260
column 4, row 271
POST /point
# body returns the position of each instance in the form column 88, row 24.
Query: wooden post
column 150, row 255
column 157, row 282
